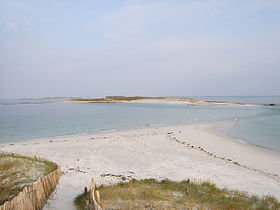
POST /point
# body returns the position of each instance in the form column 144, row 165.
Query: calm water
column 30, row 119
column 243, row 99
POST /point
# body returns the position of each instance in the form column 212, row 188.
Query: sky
column 91, row 48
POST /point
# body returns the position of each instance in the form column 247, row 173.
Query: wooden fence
column 34, row 197
column 94, row 198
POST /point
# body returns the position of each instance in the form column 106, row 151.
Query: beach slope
column 176, row 152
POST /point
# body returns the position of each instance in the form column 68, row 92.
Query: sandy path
column 173, row 152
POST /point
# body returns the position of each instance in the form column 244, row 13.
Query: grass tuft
column 166, row 194
column 16, row 172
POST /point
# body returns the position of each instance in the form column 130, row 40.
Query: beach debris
column 120, row 176
column 77, row 170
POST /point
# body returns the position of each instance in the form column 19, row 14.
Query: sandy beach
column 164, row 100
column 188, row 102
column 174, row 152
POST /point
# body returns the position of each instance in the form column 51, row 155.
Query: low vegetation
column 115, row 98
column 16, row 172
column 132, row 98
column 151, row 194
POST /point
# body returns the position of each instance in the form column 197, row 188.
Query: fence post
column 33, row 197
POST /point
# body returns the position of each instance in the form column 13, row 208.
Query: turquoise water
column 261, row 129
column 39, row 119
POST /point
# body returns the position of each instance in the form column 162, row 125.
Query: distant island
column 47, row 98
column 154, row 100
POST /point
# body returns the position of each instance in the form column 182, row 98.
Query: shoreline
column 173, row 152
column 219, row 131
column 164, row 100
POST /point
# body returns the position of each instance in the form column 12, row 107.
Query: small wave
column 106, row 131
column 242, row 141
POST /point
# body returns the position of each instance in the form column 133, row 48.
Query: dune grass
column 151, row 194
column 16, row 172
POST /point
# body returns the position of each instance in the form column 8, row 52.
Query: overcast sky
column 155, row 47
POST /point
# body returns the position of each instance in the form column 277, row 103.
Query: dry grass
column 150, row 194
column 17, row 172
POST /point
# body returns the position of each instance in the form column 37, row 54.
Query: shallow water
column 21, row 121
column 243, row 99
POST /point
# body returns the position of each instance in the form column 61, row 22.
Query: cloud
column 11, row 25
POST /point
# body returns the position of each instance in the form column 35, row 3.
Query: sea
column 26, row 119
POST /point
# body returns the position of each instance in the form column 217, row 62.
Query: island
column 155, row 100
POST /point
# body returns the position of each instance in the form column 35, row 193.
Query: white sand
column 155, row 153
column 185, row 101
column 177, row 101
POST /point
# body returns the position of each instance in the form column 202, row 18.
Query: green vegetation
column 151, row 194
column 80, row 201
column 16, row 172
column 132, row 98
